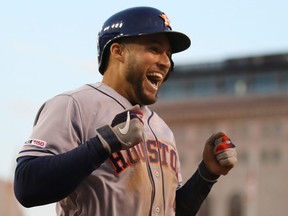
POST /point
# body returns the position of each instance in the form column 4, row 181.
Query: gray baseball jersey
column 138, row 181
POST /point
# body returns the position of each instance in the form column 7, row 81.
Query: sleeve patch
column 36, row 142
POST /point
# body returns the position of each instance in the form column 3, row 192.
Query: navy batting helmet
column 133, row 22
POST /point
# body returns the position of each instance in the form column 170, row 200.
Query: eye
column 158, row 50
column 155, row 49
column 169, row 54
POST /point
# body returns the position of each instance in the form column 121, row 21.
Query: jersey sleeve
column 191, row 195
column 57, row 128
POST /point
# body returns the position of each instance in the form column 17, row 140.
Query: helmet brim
column 178, row 41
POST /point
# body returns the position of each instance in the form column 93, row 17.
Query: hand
column 219, row 154
column 126, row 130
column 225, row 151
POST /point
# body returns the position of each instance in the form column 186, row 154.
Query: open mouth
column 155, row 79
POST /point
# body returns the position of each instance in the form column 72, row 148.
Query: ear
column 117, row 51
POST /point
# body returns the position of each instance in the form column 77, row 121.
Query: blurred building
column 248, row 99
column 8, row 204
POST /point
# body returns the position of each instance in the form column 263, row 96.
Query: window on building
column 233, row 84
column 205, row 86
column 270, row 155
column 264, row 83
column 236, row 205
column 175, row 89
column 284, row 80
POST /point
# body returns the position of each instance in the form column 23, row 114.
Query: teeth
column 159, row 75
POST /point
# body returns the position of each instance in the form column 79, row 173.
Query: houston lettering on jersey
column 36, row 142
column 153, row 152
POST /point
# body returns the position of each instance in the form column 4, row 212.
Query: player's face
column 147, row 62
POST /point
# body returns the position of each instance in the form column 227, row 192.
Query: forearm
column 191, row 195
column 47, row 179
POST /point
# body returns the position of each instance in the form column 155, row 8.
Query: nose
column 164, row 61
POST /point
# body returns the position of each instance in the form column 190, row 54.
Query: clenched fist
column 219, row 154
column 125, row 131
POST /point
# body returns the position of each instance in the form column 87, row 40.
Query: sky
column 47, row 47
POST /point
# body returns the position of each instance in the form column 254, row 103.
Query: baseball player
column 100, row 150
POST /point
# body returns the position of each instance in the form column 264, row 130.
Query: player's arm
column 219, row 157
column 47, row 179
column 191, row 195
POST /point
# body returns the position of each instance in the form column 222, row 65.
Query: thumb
column 211, row 140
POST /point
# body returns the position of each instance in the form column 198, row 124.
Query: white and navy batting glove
column 225, row 151
column 126, row 130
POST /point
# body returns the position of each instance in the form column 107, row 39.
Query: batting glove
column 126, row 130
column 225, row 151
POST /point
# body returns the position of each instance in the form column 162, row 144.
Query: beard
column 136, row 80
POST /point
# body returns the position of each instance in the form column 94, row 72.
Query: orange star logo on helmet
column 166, row 20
